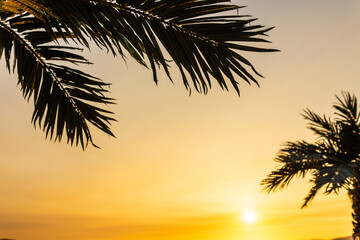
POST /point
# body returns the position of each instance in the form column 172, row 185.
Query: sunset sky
column 187, row 167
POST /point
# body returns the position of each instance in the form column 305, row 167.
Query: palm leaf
column 311, row 195
column 203, row 38
column 332, row 178
column 333, row 161
column 201, row 42
column 297, row 158
column 64, row 97
column 322, row 126
column 347, row 109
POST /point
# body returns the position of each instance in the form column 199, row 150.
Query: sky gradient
column 187, row 167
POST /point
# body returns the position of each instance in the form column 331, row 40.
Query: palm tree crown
column 201, row 37
column 333, row 161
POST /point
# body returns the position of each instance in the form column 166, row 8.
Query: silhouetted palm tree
column 333, row 161
column 201, row 41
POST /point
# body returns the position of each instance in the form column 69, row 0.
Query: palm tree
column 37, row 38
column 333, row 161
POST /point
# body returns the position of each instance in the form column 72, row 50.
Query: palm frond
column 336, row 177
column 79, row 20
column 311, row 195
column 203, row 38
column 332, row 178
column 341, row 134
column 33, row 7
column 65, row 99
column 347, row 108
column 333, row 160
column 297, row 159
column 323, row 126
column 200, row 40
column 349, row 124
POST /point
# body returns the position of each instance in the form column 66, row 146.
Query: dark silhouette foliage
column 333, row 161
column 203, row 38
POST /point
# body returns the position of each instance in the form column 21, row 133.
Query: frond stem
column 151, row 16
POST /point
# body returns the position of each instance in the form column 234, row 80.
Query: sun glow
column 249, row 216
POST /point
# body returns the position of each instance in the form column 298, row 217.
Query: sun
column 249, row 216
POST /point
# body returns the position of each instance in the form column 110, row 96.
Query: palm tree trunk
column 355, row 198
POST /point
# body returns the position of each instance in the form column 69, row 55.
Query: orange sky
column 187, row 167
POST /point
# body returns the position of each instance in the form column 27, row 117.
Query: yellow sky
column 187, row 167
